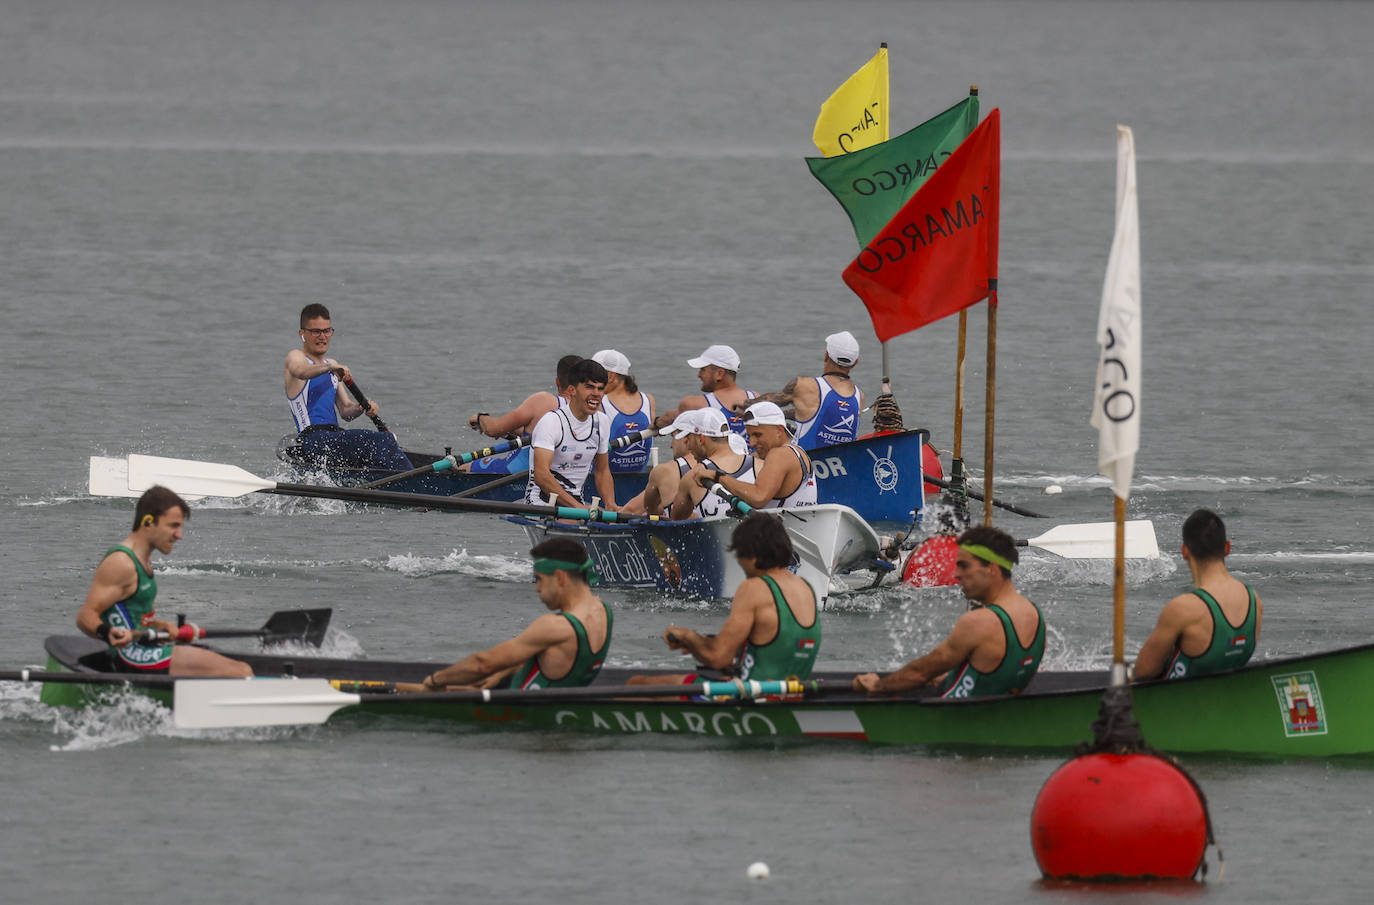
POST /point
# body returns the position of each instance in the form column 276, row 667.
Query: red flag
column 938, row 255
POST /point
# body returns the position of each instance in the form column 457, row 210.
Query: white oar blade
column 1097, row 540
column 188, row 476
column 230, row 703
column 110, row 477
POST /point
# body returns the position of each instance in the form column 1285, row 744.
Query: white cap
column 707, row 422
column 765, row 413
column 842, row 348
column 612, row 361
column 685, row 423
column 718, row 356
column 738, row 444
column 711, row 422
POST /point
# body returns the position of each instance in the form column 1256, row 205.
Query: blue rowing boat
column 879, row 476
column 690, row 557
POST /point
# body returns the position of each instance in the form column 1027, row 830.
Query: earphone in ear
column 147, row 520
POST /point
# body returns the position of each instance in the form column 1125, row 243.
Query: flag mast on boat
column 857, row 116
column 1116, row 401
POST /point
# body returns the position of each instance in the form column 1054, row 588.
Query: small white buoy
column 1053, row 489
column 758, row 871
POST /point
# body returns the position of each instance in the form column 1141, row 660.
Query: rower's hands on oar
column 867, row 682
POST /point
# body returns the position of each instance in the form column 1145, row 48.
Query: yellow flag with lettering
column 855, row 116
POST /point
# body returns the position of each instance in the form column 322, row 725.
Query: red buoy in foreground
column 1118, row 816
column 931, row 565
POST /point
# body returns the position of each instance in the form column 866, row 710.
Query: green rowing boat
column 1310, row 706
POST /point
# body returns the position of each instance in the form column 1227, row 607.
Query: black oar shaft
column 361, row 398
column 810, row 688
column 492, row 485
column 939, row 482
column 87, row 678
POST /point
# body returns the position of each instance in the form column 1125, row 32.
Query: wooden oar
column 216, row 479
column 227, row 703
column 940, row 482
column 453, row 460
column 361, row 397
column 1097, row 540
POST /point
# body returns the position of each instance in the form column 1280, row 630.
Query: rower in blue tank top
column 312, row 393
column 717, row 369
column 629, row 409
column 826, row 408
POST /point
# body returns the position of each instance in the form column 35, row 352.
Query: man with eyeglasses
column 785, row 480
column 312, row 392
column 774, row 627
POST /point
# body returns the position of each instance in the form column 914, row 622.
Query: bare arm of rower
column 540, row 635
column 1169, row 628
column 688, row 403
column 115, row 579
column 718, row 651
column 971, row 630
column 784, row 397
column 779, row 470
column 520, row 419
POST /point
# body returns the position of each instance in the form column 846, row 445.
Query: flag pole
column 958, row 487
column 1119, row 595
column 887, row 131
column 991, row 395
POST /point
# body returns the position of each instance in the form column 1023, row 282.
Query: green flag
column 873, row 183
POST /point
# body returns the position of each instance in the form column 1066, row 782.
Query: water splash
column 496, row 568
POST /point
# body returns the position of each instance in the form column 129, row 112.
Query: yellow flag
column 855, row 116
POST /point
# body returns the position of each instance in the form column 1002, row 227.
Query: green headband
column 547, row 566
column 987, row 555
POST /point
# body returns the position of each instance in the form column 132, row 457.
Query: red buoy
column 1118, row 816
column 931, row 565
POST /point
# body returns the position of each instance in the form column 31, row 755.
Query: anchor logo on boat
column 885, row 473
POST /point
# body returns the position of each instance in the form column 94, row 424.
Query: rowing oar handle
column 938, row 482
column 361, row 397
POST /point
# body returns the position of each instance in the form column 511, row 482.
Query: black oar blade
column 308, row 626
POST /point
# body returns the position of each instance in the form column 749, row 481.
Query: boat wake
column 497, row 568
column 121, row 717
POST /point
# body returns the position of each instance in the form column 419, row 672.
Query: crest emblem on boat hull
column 1300, row 703
column 885, row 473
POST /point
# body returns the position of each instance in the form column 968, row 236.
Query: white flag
column 1116, row 406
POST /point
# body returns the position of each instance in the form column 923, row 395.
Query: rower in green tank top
column 562, row 648
column 995, row 648
column 120, row 601
column 1212, row 628
column 774, row 627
